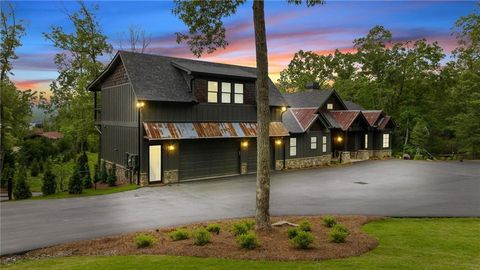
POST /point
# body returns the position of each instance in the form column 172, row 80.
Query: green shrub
column 338, row 234
column 103, row 172
column 49, row 185
column 84, row 170
column 21, row 189
column 35, row 170
column 292, row 232
column 329, row 221
column 144, row 240
column 213, row 228
column 249, row 223
column 179, row 234
column 303, row 240
column 112, row 175
column 239, row 228
column 75, row 185
column 201, row 237
column 247, row 240
column 305, row 226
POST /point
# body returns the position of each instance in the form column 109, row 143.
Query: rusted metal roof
column 304, row 116
column 372, row 116
column 384, row 122
column 53, row 135
column 345, row 118
column 167, row 131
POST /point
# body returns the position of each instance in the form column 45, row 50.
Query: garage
column 202, row 158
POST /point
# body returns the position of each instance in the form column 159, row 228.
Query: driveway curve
column 389, row 188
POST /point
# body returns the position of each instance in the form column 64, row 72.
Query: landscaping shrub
column 338, row 234
column 35, row 170
column 21, row 189
column 303, row 240
column 329, row 221
column 84, row 170
column 247, row 240
column 305, row 226
column 144, row 240
column 249, row 223
column 201, row 237
column 292, row 232
column 96, row 175
column 112, row 175
column 213, row 228
column 75, row 185
column 179, row 234
column 49, row 185
column 103, row 173
column 239, row 228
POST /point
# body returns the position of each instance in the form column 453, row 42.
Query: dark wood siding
column 119, row 104
column 116, row 140
column 200, row 91
column 207, row 158
column 337, row 104
column 304, row 145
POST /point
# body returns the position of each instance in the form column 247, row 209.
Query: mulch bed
column 274, row 245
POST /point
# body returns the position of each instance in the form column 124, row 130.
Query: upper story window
column 366, row 141
column 329, row 106
column 226, row 92
column 238, row 97
column 293, row 146
column 212, row 92
column 386, row 140
column 313, row 142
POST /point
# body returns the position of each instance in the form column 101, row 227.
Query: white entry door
column 155, row 154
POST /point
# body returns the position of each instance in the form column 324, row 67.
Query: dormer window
column 226, row 92
column 212, row 92
column 329, row 106
column 238, row 98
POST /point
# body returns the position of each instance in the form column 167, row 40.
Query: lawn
column 444, row 243
column 89, row 192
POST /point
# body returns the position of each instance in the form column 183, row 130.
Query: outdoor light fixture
column 284, row 109
column 278, row 142
column 140, row 104
column 339, row 139
column 245, row 143
column 171, row 147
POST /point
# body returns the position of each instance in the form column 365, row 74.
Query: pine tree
column 21, row 190
column 84, row 170
column 97, row 175
column 104, row 173
column 75, row 185
column 112, row 176
column 49, row 182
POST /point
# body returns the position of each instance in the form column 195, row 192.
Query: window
column 329, row 106
column 324, row 144
column 313, row 142
column 212, row 92
column 293, row 146
column 226, row 92
column 386, row 140
column 366, row 141
column 238, row 93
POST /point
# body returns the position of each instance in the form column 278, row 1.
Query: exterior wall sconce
column 283, row 109
column 245, row 144
column 140, row 104
column 339, row 139
column 278, row 142
column 171, row 147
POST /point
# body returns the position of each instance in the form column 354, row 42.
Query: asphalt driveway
column 390, row 188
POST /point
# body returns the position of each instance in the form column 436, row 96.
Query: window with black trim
column 324, row 144
column 238, row 97
column 212, row 92
column 313, row 142
column 226, row 92
column 293, row 146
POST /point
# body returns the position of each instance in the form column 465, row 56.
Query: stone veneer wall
column 308, row 162
column 170, row 176
column 345, row 157
column 123, row 177
column 382, row 154
column 360, row 154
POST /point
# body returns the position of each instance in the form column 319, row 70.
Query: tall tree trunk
column 262, row 213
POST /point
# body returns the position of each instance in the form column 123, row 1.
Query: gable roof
column 372, row 117
column 311, row 98
column 299, row 120
column 353, row 106
column 161, row 78
column 345, row 119
column 382, row 124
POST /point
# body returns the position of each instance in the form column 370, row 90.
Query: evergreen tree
column 21, row 190
column 84, row 170
column 75, row 185
column 104, row 173
column 35, row 170
column 97, row 175
column 112, row 175
column 49, row 182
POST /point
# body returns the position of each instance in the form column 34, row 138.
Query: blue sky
column 289, row 29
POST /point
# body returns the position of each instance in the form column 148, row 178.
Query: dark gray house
column 169, row 119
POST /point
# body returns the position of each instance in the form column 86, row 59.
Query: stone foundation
column 244, row 168
column 308, row 162
column 123, row 175
column 170, row 176
column 382, row 154
column 279, row 165
column 360, row 154
column 345, row 157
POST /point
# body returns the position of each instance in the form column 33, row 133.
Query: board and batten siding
column 303, row 144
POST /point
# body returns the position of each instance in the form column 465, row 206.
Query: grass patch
column 451, row 243
column 88, row 192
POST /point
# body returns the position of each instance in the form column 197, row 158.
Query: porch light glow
column 278, row 142
column 171, row 147
column 245, row 143
column 284, row 109
column 140, row 104
column 339, row 139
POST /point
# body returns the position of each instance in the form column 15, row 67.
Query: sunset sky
column 289, row 29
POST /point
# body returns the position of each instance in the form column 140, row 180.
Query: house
column 165, row 119
column 323, row 127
